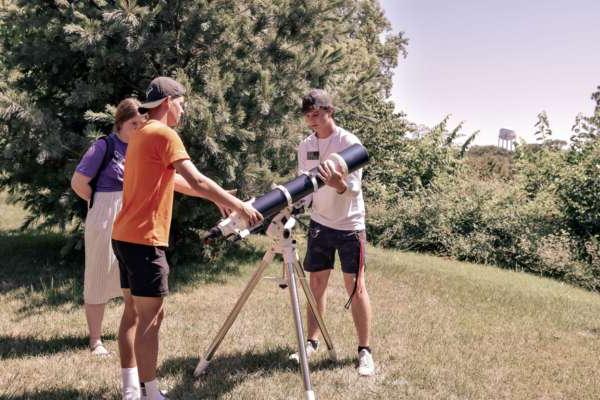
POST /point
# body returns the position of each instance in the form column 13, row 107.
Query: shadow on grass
column 186, row 273
column 33, row 257
column 34, row 271
column 228, row 371
column 58, row 394
column 17, row 347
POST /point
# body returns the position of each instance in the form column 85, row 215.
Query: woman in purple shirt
column 101, row 279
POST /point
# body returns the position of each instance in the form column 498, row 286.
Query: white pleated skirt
column 101, row 279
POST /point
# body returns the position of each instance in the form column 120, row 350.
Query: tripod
column 280, row 231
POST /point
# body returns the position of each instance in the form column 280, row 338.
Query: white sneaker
column 131, row 394
column 366, row 366
column 144, row 396
column 98, row 349
column 310, row 349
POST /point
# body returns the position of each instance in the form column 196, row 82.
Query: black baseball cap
column 316, row 98
column 158, row 90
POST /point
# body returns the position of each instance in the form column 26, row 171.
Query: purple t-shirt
column 111, row 178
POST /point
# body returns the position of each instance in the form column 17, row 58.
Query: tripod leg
column 312, row 302
column 310, row 394
column 203, row 363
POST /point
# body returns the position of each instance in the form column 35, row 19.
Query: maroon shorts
column 323, row 243
column 144, row 269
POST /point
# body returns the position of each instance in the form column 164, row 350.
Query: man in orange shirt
column 156, row 165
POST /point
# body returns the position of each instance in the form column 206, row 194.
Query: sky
column 497, row 63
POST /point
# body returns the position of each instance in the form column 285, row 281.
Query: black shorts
column 324, row 241
column 143, row 268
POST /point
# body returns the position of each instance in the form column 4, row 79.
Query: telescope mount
column 280, row 230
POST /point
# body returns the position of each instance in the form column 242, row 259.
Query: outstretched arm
column 183, row 187
column 196, row 184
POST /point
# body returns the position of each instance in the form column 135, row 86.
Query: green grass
column 441, row 330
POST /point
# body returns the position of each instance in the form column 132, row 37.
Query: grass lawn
column 441, row 330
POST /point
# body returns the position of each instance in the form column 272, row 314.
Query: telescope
column 271, row 203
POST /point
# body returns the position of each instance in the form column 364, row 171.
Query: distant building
column 507, row 139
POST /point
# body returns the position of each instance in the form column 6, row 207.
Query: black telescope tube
column 271, row 203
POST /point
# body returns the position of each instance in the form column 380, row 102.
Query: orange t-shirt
column 148, row 185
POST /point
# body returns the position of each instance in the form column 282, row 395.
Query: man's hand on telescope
column 332, row 177
column 223, row 209
column 249, row 213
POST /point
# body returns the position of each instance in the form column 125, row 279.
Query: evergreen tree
column 246, row 64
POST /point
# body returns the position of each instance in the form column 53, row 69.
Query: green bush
column 579, row 192
column 490, row 162
column 490, row 222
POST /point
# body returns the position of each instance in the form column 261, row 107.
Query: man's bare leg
column 150, row 314
column 361, row 308
column 361, row 314
column 318, row 285
column 127, row 332
column 127, row 329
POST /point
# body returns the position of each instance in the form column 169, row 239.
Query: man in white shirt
column 337, row 224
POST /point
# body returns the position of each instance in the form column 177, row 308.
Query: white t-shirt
column 344, row 211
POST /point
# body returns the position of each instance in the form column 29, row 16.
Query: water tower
column 507, row 138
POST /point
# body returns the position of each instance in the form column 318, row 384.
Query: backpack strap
column 108, row 155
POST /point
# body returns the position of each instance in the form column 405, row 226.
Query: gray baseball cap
column 316, row 98
column 158, row 90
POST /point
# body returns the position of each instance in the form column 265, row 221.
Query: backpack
column 108, row 155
